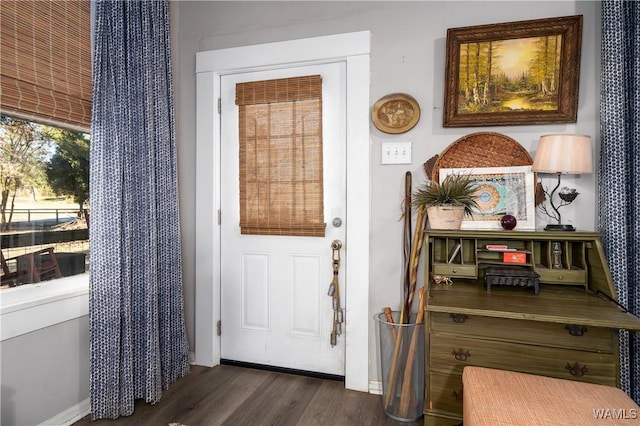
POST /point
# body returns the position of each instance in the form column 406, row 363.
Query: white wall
column 407, row 55
column 44, row 352
column 45, row 372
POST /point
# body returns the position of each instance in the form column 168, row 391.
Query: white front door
column 275, row 309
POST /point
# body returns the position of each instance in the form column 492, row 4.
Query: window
column 44, row 191
column 280, row 136
column 45, row 61
column 45, row 78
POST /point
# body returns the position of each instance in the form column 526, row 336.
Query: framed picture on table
column 500, row 191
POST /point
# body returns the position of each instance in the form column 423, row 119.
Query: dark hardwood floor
column 237, row 396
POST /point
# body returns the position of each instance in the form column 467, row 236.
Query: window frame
column 31, row 307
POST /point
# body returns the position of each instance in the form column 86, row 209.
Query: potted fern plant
column 447, row 202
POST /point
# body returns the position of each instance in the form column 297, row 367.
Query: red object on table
column 514, row 257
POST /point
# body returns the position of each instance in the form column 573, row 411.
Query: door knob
column 336, row 222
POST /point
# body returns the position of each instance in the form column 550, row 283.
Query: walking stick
column 393, row 372
column 416, row 248
column 394, row 333
column 405, row 395
column 406, row 308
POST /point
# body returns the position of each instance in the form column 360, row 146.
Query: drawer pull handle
column 458, row 318
column 576, row 370
column 457, row 395
column 460, row 354
column 576, row 330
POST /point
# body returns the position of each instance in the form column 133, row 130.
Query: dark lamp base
column 551, row 227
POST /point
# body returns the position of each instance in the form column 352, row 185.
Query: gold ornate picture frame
column 514, row 73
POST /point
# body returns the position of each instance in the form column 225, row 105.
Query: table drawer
column 452, row 270
column 451, row 354
column 445, row 392
column 595, row 339
column 441, row 419
column 562, row 276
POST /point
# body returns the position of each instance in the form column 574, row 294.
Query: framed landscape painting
column 500, row 191
column 524, row 72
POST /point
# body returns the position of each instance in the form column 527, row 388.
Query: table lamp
column 562, row 154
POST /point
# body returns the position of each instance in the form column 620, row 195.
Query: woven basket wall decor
column 482, row 149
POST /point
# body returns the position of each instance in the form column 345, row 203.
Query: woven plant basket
column 445, row 217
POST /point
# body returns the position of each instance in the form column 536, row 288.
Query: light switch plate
column 396, row 153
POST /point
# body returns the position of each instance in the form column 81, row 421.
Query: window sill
column 32, row 307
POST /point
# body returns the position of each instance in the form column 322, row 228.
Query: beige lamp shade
column 570, row 154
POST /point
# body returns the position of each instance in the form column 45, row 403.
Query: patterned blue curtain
column 136, row 311
column 619, row 178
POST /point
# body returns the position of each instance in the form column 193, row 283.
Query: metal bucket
column 401, row 348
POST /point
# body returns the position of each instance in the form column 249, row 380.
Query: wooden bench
column 497, row 397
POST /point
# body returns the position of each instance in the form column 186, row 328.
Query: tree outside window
column 44, row 188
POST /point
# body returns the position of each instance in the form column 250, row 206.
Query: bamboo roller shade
column 45, row 61
column 280, row 136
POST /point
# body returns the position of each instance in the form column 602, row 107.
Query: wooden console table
column 568, row 330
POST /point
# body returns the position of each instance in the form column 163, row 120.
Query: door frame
column 353, row 49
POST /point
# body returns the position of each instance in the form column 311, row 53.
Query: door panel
column 274, row 304
column 254, row 281
column 304, row 309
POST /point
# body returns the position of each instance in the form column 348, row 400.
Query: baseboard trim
column 70, row 415
column 375, row 387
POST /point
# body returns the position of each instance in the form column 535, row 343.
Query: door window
column 280, row 137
